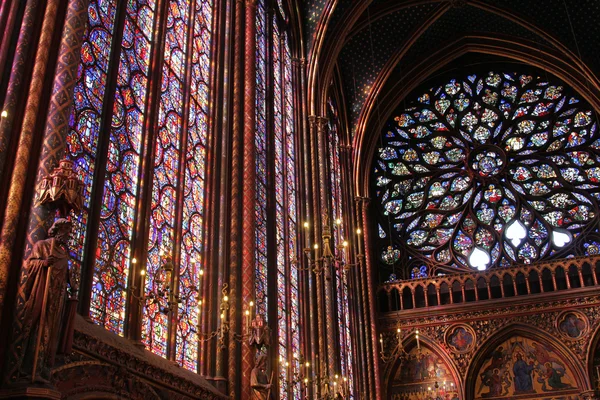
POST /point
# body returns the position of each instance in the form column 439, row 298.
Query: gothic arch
column 387, row 92
column 591, row 350
column 87, row 380
column 410, row 344
column 525, row 332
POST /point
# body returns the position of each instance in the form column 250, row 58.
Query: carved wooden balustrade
column 503, row 283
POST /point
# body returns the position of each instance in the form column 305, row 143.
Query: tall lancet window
column 487, row 170
column 123, row 121
column 340, row 243
column 276, row 138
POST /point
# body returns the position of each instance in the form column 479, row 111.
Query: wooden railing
column 499, row 283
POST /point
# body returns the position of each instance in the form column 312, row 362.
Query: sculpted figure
column 45, row 293
column 261, row 388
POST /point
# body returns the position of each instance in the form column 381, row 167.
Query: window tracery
column 178, row 160
column 486, row 171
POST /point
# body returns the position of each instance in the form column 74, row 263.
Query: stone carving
column 261, row 387
column 128, row 363
column 259, row 333
column 45, row 291
column 61, row 189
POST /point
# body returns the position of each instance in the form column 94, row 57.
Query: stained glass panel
column 498, row 165
column 117, row 214
column 192, row 259
column 261, row 161
column 166, row 173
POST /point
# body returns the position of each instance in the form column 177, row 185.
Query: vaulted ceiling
column 369, row 44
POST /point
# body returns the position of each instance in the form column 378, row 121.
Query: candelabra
column 332, row 388
column 397, row 351
column 164, row 293
column 324, row 257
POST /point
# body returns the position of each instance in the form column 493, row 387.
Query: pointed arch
column 389, row 89
column 530, row 332
column 593, row 345
column 410, row 346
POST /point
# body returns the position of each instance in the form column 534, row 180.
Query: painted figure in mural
column 461, row 339
column 554, row 378
column 506, row 382
column 542, row 354
column 261, row 388
column 572, row 326
column 496, row 383
column 522, row 371
column 498, row 359
column 45, row 291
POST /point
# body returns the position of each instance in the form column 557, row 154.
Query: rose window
column 487, row 171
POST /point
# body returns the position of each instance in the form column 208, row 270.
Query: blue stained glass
column 166, row 167
column 519, row 170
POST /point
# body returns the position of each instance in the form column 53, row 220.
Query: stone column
column 249, row 188
column 229, row 366
column 372, row 329
column 22, row 162
column 17, row 84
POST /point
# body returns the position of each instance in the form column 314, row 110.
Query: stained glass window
column 166, row 170
column 485, row 171
column 82, row 141
column 261, row 161
column 178, row 160
column 339, row 241
column 275, row 138
column 192, row 258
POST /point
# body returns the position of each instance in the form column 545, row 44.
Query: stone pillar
column 229, row 367
column 372, row 329
column 249, row 191
column 22, row 161
column 17, row 84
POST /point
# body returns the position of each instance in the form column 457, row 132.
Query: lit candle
column 381, row 341
column 417, row 336
column 360, row 244
column 346, row 255
column 399, row 331
column 306, row 233
column 247, row 320
column 316, row 247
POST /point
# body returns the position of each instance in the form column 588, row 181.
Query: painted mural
column 423, row 376
column 460, row 338
column 572, row 325
column 525, row 368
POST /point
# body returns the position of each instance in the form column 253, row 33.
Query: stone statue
column 45, row 291
column 259, row 382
